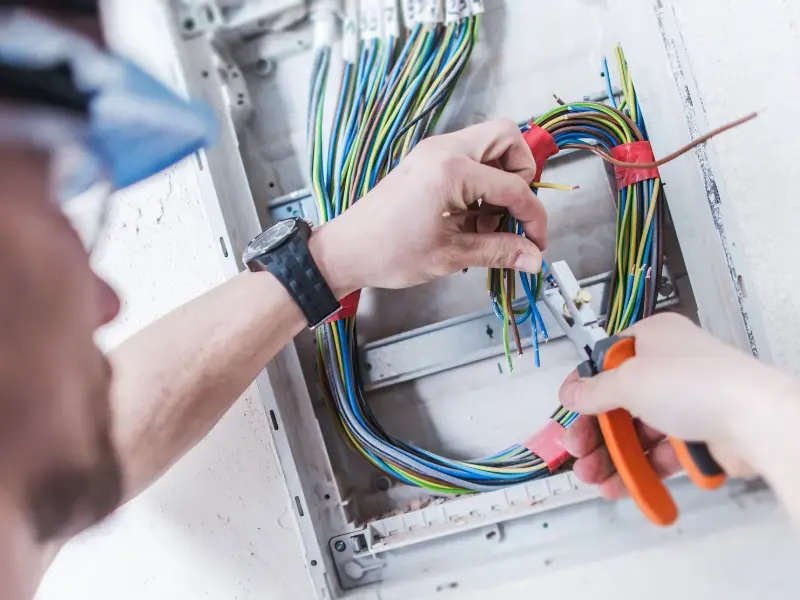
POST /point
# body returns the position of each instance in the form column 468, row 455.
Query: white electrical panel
column 431, row 362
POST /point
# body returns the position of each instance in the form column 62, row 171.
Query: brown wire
column 654, row 165
column 510, row 309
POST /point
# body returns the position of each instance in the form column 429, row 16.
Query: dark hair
column 87, row 8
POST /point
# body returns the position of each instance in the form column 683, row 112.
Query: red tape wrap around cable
column 548, row 445
column 635, row 152
column 349, row 307
column 542, row 146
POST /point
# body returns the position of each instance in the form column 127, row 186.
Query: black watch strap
column 293, row 265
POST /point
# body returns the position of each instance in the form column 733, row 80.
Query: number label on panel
column 370, row 19
column 391, row 20
column 452, row 12
column 430, row 11
column 410, row 13
column 350, row 40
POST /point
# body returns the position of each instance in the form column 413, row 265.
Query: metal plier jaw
column 601, row 352
column 573, row 313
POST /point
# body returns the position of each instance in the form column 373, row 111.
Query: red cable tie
column 548, row 445
column 635, row 152
column 349, row 307
column 542, row 146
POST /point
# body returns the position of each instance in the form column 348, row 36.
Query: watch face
column 272, row 237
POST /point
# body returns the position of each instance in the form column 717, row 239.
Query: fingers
column 594, row 466
column 500, row 189
column 499, row 251
column 604, row 392
column 582, row 437
column 661, row 457
column 499, row 142
column 597, row 468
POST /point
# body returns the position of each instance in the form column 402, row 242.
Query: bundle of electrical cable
column 618, row 134
column 390, row 97
column 392, row 91
column 640, row 214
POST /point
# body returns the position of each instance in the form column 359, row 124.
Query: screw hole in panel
column 299, row 506
column 274, row 419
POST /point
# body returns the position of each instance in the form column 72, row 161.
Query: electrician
column 81, row 433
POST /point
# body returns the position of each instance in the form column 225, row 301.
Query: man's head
column 57, row 462
column 73, row 118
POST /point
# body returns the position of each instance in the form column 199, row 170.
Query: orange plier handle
column 643, row 483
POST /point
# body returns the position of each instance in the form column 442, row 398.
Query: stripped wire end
column 555, row 186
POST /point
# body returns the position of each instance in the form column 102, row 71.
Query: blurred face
column 57, row 460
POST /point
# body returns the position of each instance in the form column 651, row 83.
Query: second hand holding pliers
column 603, row 353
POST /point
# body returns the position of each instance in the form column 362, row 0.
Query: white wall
column 744, row 56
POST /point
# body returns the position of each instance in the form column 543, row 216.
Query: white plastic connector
column 370, row 20
column 391, row 19
column 410, row 13
column 456, row 10
column 431, row 11
column 350, row 31
column 324, row 15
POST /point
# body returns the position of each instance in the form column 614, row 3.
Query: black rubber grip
column 703, row 460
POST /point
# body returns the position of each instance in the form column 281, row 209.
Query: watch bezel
column 252, row 253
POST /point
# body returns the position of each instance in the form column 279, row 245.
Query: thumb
column 601, row 393
column 501, row 251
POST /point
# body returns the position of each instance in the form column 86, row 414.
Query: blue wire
column 499, row 313
column 348, row 69
column 362, row 76
column 350, row 131
column 640, row 118
column 609, row 87
column 638, row 305
column 649, row 243
column 403, row 109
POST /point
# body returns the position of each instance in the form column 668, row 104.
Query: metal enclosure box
column 432, row 362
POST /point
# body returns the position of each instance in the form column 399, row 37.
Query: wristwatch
column 283, row 251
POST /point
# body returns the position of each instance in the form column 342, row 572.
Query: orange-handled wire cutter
column 580, row 324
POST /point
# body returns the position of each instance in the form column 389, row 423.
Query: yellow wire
column 555, row 186
column 648, row 221
column 436, row 83
column 337, row 344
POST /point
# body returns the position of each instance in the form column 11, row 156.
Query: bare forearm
column 175, row 379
